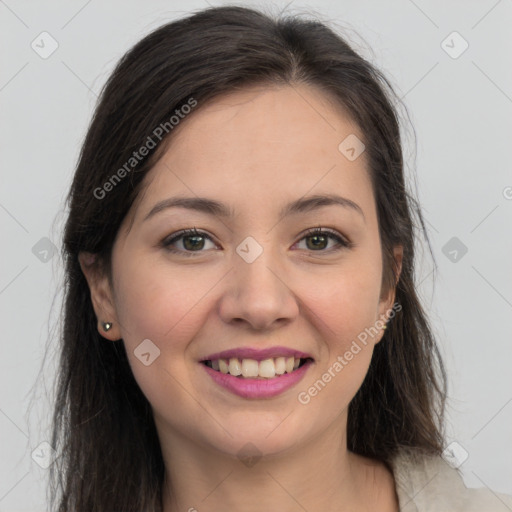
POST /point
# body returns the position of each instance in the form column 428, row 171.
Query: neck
column 320, row 474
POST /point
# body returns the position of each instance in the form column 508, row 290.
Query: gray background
column 460, row 109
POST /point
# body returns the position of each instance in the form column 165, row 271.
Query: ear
column 101, row 295
column 387, row 301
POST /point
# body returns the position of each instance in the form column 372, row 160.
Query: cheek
column 343, row 311
column 154, row 304
column 155, row 301
column 343, row 306
column 345, row 301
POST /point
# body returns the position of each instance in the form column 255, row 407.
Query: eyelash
column 342, row 243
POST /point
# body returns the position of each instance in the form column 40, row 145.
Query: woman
column 242, row 329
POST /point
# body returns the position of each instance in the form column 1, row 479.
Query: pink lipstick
column 257, row 373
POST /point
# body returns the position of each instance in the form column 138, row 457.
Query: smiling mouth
column 253, row 369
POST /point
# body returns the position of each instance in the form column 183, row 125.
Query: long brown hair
column 109, row 456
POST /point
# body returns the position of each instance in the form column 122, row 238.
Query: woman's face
column 253, row 278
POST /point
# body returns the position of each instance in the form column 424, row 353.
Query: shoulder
column 428, row 483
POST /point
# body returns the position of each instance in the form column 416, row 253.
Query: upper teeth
column 267, row 368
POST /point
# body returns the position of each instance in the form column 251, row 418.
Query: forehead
column 256, row 120
column 258, row 144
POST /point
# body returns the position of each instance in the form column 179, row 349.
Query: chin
column 250, row 436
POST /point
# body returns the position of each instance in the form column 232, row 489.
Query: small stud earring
column 385, row 326
column 106, row 326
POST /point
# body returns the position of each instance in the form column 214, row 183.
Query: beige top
column 429, row 484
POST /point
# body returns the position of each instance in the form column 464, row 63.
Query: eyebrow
column 216, row 208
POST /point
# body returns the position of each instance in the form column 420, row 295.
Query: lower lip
column 258, row 388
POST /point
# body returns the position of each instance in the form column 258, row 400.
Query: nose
column 257, row 294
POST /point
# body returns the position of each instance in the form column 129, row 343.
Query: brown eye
column 191, row 240
column 318, row 240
